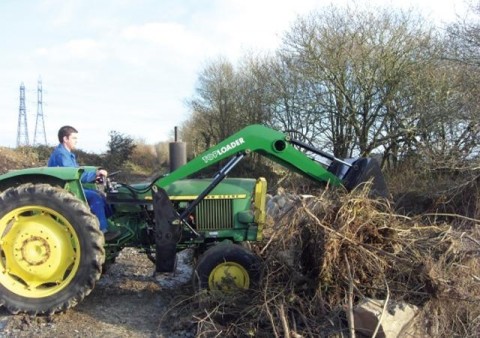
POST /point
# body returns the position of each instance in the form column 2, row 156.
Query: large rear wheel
column 225, row 267
column 51, row 249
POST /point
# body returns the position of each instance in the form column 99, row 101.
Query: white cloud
column 165, row 33
column 74, row 50
column 64, row 11
column 164, row 42
column 88, row 49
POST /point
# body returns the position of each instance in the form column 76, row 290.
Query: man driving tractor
column 62, row 156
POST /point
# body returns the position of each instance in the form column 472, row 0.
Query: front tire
column 226, row 266
column 51, row 249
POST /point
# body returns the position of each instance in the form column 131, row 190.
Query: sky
column 130, row 65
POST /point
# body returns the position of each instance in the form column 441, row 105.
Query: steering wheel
column 105, row 181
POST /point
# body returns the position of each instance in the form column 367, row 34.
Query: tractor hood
column 191, row 188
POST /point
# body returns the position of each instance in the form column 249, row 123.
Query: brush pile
column 328, row 253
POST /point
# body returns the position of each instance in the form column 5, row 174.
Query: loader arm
column 259, row 139
column 267, row 142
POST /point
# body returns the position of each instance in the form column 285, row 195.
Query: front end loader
column 52, row 252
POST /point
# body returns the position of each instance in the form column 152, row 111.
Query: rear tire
column 226, row 267
column 51, row 249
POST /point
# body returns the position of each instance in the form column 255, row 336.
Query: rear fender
column 66, row 178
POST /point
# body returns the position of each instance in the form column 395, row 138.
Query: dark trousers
column 99, row 207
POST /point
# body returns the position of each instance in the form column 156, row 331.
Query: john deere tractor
column 52, row 251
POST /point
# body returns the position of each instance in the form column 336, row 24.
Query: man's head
column 67, row 135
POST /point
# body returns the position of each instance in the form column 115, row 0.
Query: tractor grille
column 214, row 214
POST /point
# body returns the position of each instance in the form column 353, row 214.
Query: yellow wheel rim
column 228, row 276
column 39, row 252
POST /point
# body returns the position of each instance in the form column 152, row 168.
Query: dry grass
column 17, row 159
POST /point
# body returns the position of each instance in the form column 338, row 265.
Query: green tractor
column 52, row 251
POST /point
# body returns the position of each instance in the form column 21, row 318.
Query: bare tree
column 358, row 65
column 228, row 99
column 291, row 108
column 457, row 138
column 464, row 42
column 215, row 105
column 254, row 94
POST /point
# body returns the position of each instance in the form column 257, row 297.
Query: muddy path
column 128, row 301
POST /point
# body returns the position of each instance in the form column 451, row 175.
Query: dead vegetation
column 17, row 158
column 330, row 252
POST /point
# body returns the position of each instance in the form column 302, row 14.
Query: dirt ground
column 128, row 301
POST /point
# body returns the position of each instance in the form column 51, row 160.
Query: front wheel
column 51, row 249
column 225, row 267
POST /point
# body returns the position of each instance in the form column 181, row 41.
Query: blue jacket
column 62, row 157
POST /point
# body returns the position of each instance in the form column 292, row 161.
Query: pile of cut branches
column 330, row 252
